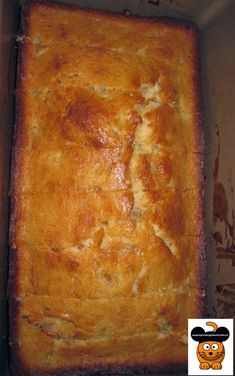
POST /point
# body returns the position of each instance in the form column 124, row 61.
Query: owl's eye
column 206, row 346
column 214, row 346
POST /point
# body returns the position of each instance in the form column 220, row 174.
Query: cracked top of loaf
column 106, row 229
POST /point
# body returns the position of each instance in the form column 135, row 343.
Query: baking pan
column 215, row 19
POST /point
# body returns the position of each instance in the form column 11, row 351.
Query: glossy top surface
column 107, row 218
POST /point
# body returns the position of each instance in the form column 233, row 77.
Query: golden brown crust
column 106, row 233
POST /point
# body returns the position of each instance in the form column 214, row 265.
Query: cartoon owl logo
column 210, row 350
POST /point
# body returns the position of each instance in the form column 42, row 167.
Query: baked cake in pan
column 106, row 225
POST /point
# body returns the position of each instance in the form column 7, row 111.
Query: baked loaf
column 106, row 221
